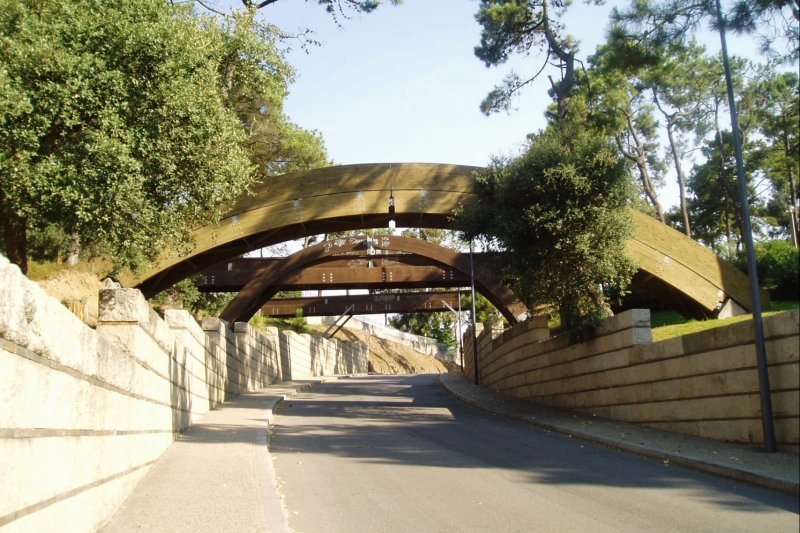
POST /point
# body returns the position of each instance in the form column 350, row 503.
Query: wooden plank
column 366, row 304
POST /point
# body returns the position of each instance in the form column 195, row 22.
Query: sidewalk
column 777, row 471
column 217, row 476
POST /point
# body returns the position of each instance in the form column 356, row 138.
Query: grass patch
column 784, row 305
column 43, row 270
column 297, row 324
column 668, row 324
column 667, row 318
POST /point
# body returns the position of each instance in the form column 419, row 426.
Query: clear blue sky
column 402, row 83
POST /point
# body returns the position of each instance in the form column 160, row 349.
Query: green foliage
column 331, row 6
column 778, row 113
column 126, row 124
column 520, row 27
column 778, row 266
column 784, row 305
column 485, row 312
column 112, row 124
column 185, row 295
column 714, row 196
column 657, row 23
column 211, row 303
column 296, row 324
column 48, row 243
column 437, row 326
column 181, row 295
column 256, row 79
column 622, row 95
column 560, row 210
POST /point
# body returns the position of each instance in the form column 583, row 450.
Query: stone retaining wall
column 703, row 384
column 86, row 412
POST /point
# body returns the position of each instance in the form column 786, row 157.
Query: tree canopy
column 521, row 27
column 561, row 210
column 660, row 96
column 125, row 124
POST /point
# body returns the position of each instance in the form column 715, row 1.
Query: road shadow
column 411, row 420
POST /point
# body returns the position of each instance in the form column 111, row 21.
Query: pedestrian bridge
column 680, row 272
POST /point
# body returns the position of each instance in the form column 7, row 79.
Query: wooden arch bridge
column 672, row 267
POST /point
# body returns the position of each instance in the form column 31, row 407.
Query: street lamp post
column 474, row 316
column 460, row 335
column 747, row 235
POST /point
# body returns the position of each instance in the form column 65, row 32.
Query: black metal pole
column 474, row 316
column 758, row 323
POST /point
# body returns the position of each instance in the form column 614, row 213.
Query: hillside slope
column 387, row 357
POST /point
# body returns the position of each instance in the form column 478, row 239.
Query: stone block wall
column 84, row 413
column 703, row 384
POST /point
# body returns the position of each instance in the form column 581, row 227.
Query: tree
column 779, row 123
column 437, row 326
column 778, row 268
column 660, row 22
column 332, row 6
column 256, row 79
column 713, row 207
column 619, row 106
column 125, row 124
column 518, row 27
column 337, row 8
column 113, row 126
column 679, row 84
column 713, row 203
column 560, row 211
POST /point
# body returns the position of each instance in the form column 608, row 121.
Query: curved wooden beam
column 263, row 286
column 364, row 271
column 324, row 200
column 356, row 197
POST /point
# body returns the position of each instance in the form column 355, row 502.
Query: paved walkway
column 218, row 475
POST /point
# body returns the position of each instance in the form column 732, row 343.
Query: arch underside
column 352, row 197
column 266, row 283
column 363, row 271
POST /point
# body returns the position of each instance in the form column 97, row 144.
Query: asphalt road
column 397, row 453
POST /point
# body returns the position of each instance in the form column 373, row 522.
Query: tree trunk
column 727, row 230
column 74, row 250
column 681, row 180
column 792, row 192
column 599, row 300
column 640, row 160
column 567, row 59
column 15, row 235
column 793, row 209
column 723, row 176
